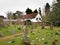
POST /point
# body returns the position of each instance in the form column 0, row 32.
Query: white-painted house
column 34, row 17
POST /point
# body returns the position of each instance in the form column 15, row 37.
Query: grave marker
column 1, row 34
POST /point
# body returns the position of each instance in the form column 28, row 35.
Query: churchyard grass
column 36, row 36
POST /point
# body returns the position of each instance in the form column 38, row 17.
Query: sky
column 21, row 5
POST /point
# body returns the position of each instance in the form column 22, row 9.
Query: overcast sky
column 21, row 5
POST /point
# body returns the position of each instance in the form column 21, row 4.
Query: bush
column 57, row 23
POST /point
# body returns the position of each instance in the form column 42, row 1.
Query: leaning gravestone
column 1, row 34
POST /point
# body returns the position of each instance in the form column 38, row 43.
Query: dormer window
column 36, row 18
column 39, row 18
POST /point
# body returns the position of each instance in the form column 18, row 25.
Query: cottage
column 34, row 17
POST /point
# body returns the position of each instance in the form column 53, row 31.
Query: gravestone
column 31, row 43
column 13, row 31
column 46, row 43
column 1, row 34
column 33, row 40
column 18, row 37
column 43, row 38
column 56, row 33
column 28, row 36
column 36, row 37
column 39, row 40
column 12, row 41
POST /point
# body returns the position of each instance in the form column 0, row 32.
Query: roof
column 1, row 16
column 29, row 16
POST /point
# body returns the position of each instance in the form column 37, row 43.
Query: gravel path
column 11, row 36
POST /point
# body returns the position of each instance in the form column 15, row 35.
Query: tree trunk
column 51, row 26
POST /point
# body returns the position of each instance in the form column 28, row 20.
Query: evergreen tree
column 55, row 14
column 35, row 11
column 28, row 11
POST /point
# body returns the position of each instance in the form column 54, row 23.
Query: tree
column 14, row 16
column 56, row 11
column 47, row 14
column 35, row 11
column 47, row 9
column 55, row 14
column 10, row 15
column 18, row 13
column 28, row 11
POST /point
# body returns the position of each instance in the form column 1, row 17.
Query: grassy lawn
column 38, row 36
column 7, row 32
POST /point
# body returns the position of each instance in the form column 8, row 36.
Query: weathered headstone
column 28, row 36
column 39, row 40
column 33, row 40
column 12, row 41
column 18, row 37
column 1, row 34
column 43, row 38
column 31, row 43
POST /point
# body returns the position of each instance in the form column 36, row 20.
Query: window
column 39, row 18
column 36, row 18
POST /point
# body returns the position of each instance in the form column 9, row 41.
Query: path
column 11, row 36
